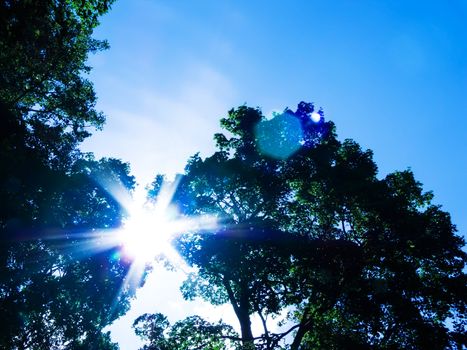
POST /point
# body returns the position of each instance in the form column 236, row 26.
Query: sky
column 391, row 75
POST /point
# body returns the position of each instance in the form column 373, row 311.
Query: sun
column 151, row 226
column 146, row 233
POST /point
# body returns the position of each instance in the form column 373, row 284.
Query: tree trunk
column 244, row 317
column 305, row 326
column 241, row 308
column 245, row 328
column 298, row 338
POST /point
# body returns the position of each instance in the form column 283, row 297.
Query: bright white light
column 316, row 117
column 151, row 227
column 146, row 234
column 149, row 231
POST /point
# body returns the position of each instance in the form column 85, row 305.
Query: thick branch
column 303, row 327
column 231, row 295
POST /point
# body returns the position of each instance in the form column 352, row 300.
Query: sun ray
column 146, row 234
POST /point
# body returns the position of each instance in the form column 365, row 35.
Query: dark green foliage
column 95, row 341
column 359, row 262
column 56, row 284
column 192, row 333
column 60, row 282
column 43, row 50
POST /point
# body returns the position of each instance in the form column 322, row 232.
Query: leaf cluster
column 192, row 333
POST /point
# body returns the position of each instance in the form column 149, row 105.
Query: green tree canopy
column 44, row 46
column 192, row 333
column 58, row 287
column 307, row 229
column 61, row 282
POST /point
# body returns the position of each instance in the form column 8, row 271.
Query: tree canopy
column 60, row 283
column 192, row 333
column 309, row 235
column 43, row 51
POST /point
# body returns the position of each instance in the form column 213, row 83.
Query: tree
column 43, row 51
column 58, row 289
column 192, row 333
column 306, row 226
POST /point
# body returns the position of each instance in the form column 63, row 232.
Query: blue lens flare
column 279, row 137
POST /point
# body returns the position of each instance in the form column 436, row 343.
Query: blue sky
column 391, row 75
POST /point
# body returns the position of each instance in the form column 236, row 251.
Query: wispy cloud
column 157, row 130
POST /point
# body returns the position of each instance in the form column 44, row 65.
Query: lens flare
column 146, row 234
column 279, row 137
column 316, row 117
column 151, row 226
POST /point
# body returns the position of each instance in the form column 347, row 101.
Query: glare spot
column 116, row 256
column 146, row 234
column 316, row 117
column 151, row 227
column 279, row 137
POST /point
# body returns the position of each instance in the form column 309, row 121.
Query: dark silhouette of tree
column 43, row 51
column 192, row 333
column 57, row 286
column 60, row 282
column 310, row 230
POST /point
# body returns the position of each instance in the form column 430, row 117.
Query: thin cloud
column 157, row 131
